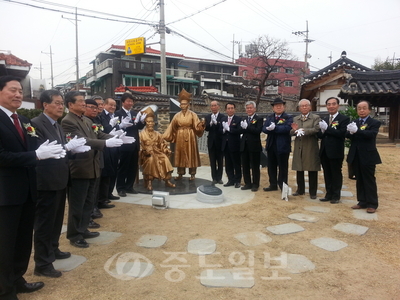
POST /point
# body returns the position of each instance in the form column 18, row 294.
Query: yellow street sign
column 135, row 46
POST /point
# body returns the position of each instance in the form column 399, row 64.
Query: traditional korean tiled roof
column 142, row 89
column 12, row 60
column 371, row 83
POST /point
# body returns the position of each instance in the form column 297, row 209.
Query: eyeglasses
column 92, row 107
column 58, row 103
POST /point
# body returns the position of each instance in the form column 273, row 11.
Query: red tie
column 19, row 129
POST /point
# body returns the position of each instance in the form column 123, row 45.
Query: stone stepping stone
column 226, row 278
column 105, row 237
column 346, row 194
column 297, row 263
column 303, row 218
column 323, row 186
column 253, row 238
column 69, row 263
column 320, row 209
column 128, row 265
column 351, row 228
column 328, row 244
column 350, row 202
column 362, row 214
column 63, row 229
column 318, row 191
column 285, row 228
column 201, row 246
column 151, row 241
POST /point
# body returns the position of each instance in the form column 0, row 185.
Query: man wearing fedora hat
column 277, row 126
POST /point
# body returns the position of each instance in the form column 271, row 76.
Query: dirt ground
column 369, row 268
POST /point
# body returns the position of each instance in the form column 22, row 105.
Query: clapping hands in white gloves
column 323, row 125
column 352, row 128
column 116, row 132
column 81, row 149
column 299, row 132
column 138, row 117
column 225, row 126
column 213, row 120
column 143, row 117
column 125, row 122
column 244, row 124
column 75, row 142
column 50, row 150
column 271, row 127
column 114, row 142
column 127, row 139
column 113, row 121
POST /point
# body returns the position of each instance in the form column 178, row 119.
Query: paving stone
column 350, row 202
column 328, row 244
column 351, row 228
column 361, row 214
column 202, row 246
column 253, row 238
column 346, row 194
column 226, row 278
column 69, row 263
column 151, row 241
column 106, row 237
column 303, row 218
column 297, row 263
column 320, row 209
column 285, row 228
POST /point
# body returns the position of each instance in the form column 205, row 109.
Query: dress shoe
column 96, row 214
column 297, row 194
column 324, row 199
column 229, row 184
column 79, row 243
column 371, row 210
column 245, row 187
column 29, row 287
column 313, row 197
column 112, row 197
column 237, row 185
column 90, row 234
column 131, row 191
column 220, row 182
column 335, row 201
column 105, row 205
column 254, row 189
column 270, row 188
column 93, row 224
column 122, row 194
column 214, row 182
column 47, row 272
column 357, row 207
column 61, row 255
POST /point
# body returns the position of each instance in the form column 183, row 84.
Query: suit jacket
column 130, row 131
column 214, row 131
column 363, row 143
column 332, row 140
column 251, row 135
column 51, row 174
column 110, row 154
column 85, row 165
column 231, row 139
column 17, row 163
column 280, row 136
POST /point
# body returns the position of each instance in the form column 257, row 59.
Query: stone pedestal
column 209, row 194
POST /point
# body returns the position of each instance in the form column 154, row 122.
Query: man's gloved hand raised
column 50, row 150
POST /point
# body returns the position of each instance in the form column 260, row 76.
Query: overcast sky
column 366, row 29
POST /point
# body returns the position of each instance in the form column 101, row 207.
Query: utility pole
column 51, row 67
column 233, row 48
column 163, row 62
column 330, row 58
column 40, row 69
column 307, row 41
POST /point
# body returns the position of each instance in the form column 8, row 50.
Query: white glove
column 143, row 117
column 271, row 127
column 75, row 142
column 81, row 149
column 114, row 121
column 125, row 122
column 323, row 125
column 299, row 132
column 213, row 120
column 138, row 117
column 116, row 132
column 352, row 128
column 50, row 150
column 114, row 142
column 127, row 139
column 244, row 124
column 225, row 126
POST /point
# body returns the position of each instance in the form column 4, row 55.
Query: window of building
column 289, row 70
column 127, row 64
column 256, row 70
column 142, row 66
column 244, row 74
column 288, row 83
column 275, row 70
column 129, row 80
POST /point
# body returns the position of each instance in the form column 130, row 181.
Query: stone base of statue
column 182, row 186
column 209, row 194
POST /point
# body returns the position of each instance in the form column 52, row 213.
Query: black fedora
column 278, row 101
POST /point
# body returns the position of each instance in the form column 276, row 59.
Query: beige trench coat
column 306, row 149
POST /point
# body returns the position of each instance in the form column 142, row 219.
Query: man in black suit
column 364, row 156
column 277, row 126
column 18, row 158
column 129, row 154
column 231, row 145
column 214, row 141
column 250, row 147
column 52, row 180
column 332, row 134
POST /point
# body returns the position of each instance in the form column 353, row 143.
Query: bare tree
column 265, row 54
